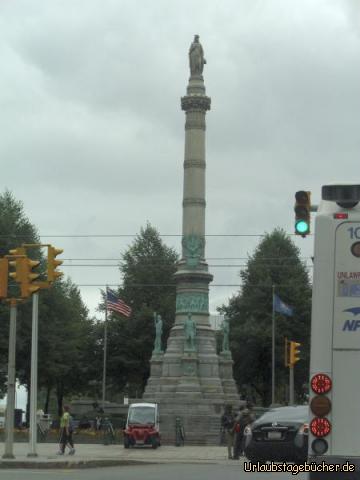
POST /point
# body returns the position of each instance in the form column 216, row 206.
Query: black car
column 280, row 434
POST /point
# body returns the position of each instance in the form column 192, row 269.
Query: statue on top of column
column 196, row 57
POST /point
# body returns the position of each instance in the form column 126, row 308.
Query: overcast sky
column 92, row 133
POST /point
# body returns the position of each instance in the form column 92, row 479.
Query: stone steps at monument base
column 194, row 439
column 200, row 429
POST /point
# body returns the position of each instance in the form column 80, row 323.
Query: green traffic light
column 302, row 227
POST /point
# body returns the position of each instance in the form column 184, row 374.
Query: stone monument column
column 192, row 276
column 191, row 385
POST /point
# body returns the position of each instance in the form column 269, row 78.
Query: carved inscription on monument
column 192, row 302
column 189, row 369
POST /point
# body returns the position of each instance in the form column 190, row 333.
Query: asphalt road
column 149, row 472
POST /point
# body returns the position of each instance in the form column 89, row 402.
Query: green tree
column 64, row 327
column 147, row 269
column 64, row 330
column 15, row 229
column 276, row 261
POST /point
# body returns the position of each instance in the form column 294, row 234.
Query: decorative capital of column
column 195, row 103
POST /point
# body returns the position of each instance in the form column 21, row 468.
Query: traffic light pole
column 10, row 402
column 33, row 380
column 291, row 385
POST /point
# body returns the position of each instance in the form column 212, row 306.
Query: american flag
column 116, row 305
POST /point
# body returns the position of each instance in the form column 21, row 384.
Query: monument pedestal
column 226, row 374
column 188, row 383
column 156, row 364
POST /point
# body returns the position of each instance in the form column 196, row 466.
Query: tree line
column 71, row 341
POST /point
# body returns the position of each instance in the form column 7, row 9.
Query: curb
column 71, row 464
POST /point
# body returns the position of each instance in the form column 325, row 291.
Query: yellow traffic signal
column 4, row 273
column 52, row 263
column 28, row 288
column 294, row 353
column 19, row 251
column 18, row 265
column 24, row 275
column 302, row 213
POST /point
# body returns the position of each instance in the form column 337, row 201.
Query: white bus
column 334, row 424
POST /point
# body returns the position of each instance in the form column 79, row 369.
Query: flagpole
column 273, row 348
column 105, row 351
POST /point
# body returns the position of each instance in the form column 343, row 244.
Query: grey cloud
column 90, row 116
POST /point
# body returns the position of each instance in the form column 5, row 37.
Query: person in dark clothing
column 227, row 423
column 243, row 419
column 239, row 432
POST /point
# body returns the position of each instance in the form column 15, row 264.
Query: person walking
column 239, row 432
column 66, row 432
column 227, row 423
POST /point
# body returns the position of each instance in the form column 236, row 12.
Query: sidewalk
column 95, row 455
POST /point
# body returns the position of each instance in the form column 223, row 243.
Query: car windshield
column 285, row 414
column 142, row 415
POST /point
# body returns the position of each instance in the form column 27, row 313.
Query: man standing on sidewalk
column 66, row 432
column 228, row 423
column 244, row 418
column 239, row 432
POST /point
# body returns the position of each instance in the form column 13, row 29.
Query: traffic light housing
column 18, row 252
column 28, row 288
column 15, row 260
column 24, row 275
column 4, row 273
column 294, row 355
column 302, row 213
column 52, row 263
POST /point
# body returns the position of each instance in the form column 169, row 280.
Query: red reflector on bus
column 341, row 216
column 320, row 427
column 321, row 383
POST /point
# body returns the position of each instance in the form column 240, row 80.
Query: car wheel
column 126, row 442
